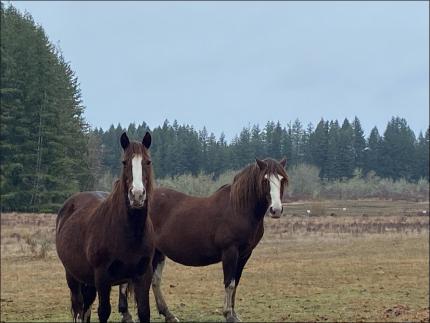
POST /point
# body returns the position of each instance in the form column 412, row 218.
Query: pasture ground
column 358, row 261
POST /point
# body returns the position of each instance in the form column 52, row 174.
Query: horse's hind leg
column 89, row 295
column 158, row 265
column 75, row 297
column 123, row 304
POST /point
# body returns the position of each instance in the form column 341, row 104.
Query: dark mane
column 248, row 185
column 221, row 187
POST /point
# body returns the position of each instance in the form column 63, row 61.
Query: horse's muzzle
column 275, row 212
column 137, row 198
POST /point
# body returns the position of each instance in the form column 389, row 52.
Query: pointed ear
column 261, row 164
column 124, row 141
column 283, row 162
column 147, row 140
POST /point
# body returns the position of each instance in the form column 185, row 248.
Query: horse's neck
column 259, row 210
column 255, row 210
column 116, row 206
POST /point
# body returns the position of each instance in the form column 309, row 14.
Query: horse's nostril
column 272, row 210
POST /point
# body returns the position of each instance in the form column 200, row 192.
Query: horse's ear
column 124, row 141
column 283, row 162
column 146, row 141
column 261, row 164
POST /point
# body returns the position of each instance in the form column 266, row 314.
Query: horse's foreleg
column 123, row 304
column 158, row 265
column 240, row 265
column 103, row 288
column 229, row 265
column 141, row 286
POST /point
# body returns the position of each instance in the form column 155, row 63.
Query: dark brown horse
column 225, row 226
column 107, row 239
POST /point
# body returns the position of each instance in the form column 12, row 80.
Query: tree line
column 337, row 150
column 48, row 151
column 43, row 149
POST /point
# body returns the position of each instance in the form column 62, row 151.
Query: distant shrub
column 304, row 182
column 318, row 209
column 201, row 185
column 373, row 186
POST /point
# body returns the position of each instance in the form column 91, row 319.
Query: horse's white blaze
column 136, row 168
column 275, row 191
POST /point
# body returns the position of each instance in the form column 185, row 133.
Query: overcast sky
column 226, row 65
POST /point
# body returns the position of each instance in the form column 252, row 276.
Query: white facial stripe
column 136, row 168
column 275, row 191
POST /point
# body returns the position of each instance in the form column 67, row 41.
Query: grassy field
column 359, row 261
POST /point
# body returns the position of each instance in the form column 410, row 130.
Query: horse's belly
column 194, row 261
column 197, row 254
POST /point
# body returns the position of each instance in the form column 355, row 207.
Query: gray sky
column 225, row 65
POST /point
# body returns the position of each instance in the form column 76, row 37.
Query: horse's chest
column 120, row 269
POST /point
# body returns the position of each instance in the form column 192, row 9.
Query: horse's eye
column 148, row 162
column 124, row 162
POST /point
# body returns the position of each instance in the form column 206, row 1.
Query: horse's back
column 78, row 202
column 168, row 203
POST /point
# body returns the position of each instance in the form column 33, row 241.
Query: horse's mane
column 221, row 187
column 248, row 185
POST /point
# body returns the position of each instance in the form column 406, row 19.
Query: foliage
column 335, row 150
column 43, row 134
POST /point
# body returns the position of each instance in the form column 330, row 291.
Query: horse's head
column 274, row 179
column 137, row 170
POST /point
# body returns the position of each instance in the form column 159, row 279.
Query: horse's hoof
column 172, row 318
column 237, row 318
column 126, row 318
column 232, row 318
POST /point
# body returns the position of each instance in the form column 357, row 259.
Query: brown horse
column 107, row 239
column 225, row 226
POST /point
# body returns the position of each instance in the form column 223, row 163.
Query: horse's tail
column 65, row 211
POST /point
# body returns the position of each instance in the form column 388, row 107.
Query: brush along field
column 323, row 261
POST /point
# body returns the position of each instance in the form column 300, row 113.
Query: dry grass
column 322, row 270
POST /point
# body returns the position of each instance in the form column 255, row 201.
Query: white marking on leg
column 126, row 316
column 123, row 289
column 228, row 301
column 87, row 314
column 159, row 298
column 156, row 277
